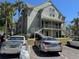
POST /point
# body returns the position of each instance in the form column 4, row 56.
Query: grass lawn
column 63, row 40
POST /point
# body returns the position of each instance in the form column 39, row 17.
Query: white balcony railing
column 51, row 26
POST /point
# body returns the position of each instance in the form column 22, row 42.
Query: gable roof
column 57, row 9
column 46, row 4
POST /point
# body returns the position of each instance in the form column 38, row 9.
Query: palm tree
column 75, row 21
column 7, row 12
column 75, row 26
column 22, row 8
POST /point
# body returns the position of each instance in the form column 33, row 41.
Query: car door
column 75, row 42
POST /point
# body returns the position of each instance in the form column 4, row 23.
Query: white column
column 58, row 30
column 51, row 28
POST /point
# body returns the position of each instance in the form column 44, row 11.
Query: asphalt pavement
column 67, row 53
column 13, row 56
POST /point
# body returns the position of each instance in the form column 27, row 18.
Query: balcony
column 51, row 26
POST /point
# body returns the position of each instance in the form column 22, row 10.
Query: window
column 59, row 26
column 16, row 38
column 52, row 12
column 56, row 34
column 56, row 25
column 53, row 15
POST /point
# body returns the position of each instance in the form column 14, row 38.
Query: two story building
column 44, row 18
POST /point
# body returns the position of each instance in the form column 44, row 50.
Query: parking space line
column 63, row 55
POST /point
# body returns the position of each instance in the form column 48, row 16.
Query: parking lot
column 9, row 56
column 67, row 53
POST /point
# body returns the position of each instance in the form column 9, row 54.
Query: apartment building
column 44, row 18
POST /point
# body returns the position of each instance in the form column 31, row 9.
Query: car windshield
column 16, row 38
column 11, row 43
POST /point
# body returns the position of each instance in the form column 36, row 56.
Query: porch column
column 51, row 28
column 58, row 30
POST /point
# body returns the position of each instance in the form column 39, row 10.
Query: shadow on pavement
column 73, row 47
column 45, row 54
column 9, row 56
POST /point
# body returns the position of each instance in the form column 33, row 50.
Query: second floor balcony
column 51, row 25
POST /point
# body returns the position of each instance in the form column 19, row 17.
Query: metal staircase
column 68, row 34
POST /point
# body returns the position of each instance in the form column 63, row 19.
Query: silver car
column 48, row 44
column 12, row 45
column 74, row 42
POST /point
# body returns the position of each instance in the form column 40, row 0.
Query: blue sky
column 69, row 8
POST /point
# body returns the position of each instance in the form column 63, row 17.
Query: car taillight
column 46, row 43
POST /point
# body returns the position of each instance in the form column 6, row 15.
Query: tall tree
column 7, row 10
column 75, row 26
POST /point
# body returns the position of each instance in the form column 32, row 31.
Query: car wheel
column 68, row 43
column 39, row 49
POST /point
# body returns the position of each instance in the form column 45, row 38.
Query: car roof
column 47, row 37
column 17, row 36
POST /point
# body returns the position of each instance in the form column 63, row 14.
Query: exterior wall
column 22, row 22
column 52, row 13
column 35, row 24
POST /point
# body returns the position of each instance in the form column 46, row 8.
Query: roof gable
column 46, row 4
column 57, row 10
column 42, row 6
